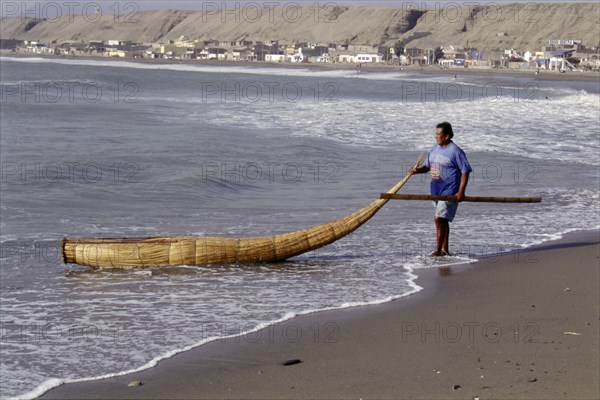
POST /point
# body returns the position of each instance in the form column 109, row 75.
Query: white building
column 324, row 58
column 346, row 58
column 367, row 58
column 275, row 57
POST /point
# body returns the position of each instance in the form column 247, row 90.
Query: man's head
column 443, row 133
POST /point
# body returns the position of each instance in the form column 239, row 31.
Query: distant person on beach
column 449, row 170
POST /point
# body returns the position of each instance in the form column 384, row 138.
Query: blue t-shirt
column 446, row 164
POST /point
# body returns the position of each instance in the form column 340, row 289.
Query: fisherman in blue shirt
column 449, row 169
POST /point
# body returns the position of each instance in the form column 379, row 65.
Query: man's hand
column 464, row 179
column 420, row 170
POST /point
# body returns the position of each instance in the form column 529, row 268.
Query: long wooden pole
column 475, row 199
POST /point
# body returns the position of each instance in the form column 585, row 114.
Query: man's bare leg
column 445, row 251
column 442, row 229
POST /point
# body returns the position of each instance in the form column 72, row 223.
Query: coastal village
column 562, row 55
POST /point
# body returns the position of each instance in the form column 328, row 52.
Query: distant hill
column 524, row 26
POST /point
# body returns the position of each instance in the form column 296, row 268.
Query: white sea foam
column 221, row 69
column 517, row 128
column 55, row 382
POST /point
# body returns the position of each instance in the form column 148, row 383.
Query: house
column 226, row 44
column 202, row 54
column 345, row 58
column 114, row 52
column 445, row 62
column 260, row 50
column 240, row 54
column 531, row 56
column 216, row 53
column 323, row 58
column 71, row 48
column 152, row 54
column 36, row 47
column 183, row 41
column 588, row 58
column 512, row 53
column 275, row 57
column 416, row 56
column 355, row 48
column 474, row 54
column 367, row 58
column 312, row 54
column 289, row 50
column 558, row 60
column 451, row 52
column 297, row 57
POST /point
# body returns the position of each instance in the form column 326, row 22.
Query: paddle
column 475, row 199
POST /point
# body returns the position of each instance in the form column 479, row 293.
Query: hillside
column 525, row 26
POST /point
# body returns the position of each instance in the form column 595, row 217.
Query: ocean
column 119, row 149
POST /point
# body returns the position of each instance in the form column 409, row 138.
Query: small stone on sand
column 291, row 362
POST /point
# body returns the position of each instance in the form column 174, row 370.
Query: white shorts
column 445, row 209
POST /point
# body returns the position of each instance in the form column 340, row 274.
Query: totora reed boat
column 188, row 250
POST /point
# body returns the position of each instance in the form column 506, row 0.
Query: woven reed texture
column 187, row 250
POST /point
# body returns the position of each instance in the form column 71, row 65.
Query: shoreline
column 240, row 366
column 428, row 70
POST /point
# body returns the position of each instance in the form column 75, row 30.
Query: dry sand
column 518, row 326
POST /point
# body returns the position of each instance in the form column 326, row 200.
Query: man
column 449, row 170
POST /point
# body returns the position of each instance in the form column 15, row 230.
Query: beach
column 518, row 325
column 155, row 153
column 543, row 75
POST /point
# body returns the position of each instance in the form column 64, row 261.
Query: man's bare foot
column 447, row 253
column 435, row 253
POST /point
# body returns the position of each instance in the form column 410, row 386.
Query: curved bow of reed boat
column 187, row 250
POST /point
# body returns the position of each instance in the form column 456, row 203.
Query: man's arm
column 464, row 179
column 420, row 170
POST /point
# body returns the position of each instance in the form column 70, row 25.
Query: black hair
column 446, row 129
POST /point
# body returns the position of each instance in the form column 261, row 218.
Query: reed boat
column 189, row 250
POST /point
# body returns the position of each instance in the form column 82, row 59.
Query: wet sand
column 518, row 326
